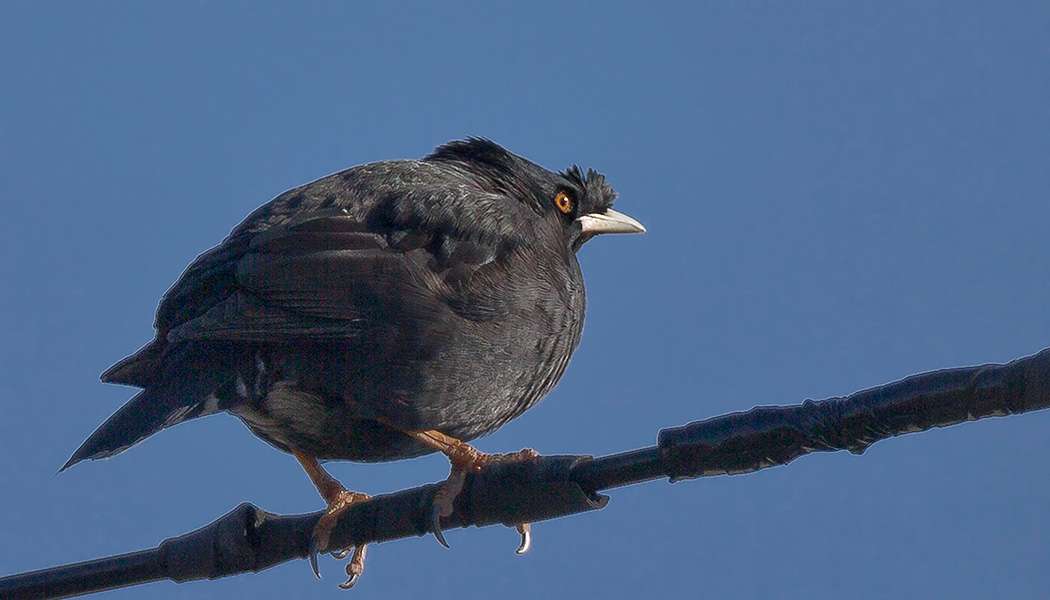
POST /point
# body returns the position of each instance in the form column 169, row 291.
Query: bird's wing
column 318, row 278
column 332, row 276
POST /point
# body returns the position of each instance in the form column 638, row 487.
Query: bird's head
column 584, row 203
column 580, row 202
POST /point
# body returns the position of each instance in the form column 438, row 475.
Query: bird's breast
column 346, row 399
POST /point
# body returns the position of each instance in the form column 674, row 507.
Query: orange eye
column 563, row 202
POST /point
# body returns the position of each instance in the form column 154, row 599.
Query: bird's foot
column 465, row 459
column 340, row 501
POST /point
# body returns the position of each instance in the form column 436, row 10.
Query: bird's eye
column 563, row 202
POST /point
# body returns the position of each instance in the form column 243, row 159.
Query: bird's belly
column 342, row 401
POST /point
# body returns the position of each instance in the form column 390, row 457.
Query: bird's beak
column 609, row 221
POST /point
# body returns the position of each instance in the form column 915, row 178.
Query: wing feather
column 335, row 272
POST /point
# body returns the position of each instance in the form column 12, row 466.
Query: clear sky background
column 838, row 195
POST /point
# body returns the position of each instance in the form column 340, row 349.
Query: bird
column 387, row 311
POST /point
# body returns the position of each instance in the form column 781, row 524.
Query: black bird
column 387, row 311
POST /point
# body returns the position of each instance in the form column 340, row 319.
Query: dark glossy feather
column 436, row 294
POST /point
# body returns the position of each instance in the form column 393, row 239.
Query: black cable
column 251, row 539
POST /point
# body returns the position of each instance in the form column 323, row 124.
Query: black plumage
column 440, row 294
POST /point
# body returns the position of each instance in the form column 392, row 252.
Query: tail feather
column 139, row 368
column 141, row 417
column 185, row 391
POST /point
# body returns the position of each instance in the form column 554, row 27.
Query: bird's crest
column 593, row 184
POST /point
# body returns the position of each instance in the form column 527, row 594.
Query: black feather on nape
column 496, row 169
column 472, row 151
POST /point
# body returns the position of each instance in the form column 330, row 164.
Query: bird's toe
column 355, row 567
column 435, row 523
column 525, row 530
column 312, row 552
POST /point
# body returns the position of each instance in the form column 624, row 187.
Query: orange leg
column 338, row 499
column 465, row 459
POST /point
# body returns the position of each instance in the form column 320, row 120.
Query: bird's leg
column 465, row 459
column 338, row 499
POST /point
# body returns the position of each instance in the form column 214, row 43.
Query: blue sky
column 838, row 195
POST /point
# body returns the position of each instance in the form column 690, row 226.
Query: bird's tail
column 185, row 394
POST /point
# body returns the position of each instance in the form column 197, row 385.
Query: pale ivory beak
column 609, row 221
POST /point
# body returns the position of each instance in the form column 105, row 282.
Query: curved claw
column 526, row 538
column 435, row 524
column 340, row 554
column 312, row 551
column 349, row 583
